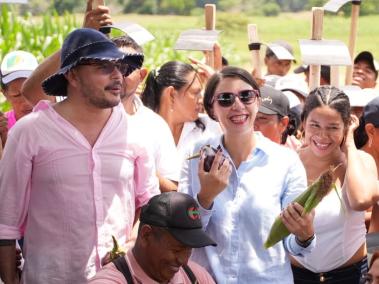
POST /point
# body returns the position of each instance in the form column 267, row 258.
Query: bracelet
column 305, row 243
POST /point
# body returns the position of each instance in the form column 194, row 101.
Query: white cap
column 359, row 97
column 292, row 98
column 17, row 64
column 292, row 83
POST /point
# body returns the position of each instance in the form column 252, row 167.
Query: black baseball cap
column 324, row 73
column 371, row 112
column 369, row 58
column 179, row 214
column 273, row 101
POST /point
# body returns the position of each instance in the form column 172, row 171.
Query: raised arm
column 32, row 88
column 361, row 174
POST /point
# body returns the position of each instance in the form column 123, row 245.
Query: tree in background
column 184, row 7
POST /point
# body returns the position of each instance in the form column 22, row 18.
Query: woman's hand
column 300, row 226
column 205, row 71
column 349, row 139
column 213, row 182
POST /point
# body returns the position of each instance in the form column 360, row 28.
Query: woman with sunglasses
column 251, row 181
column 340, row 252
column 174, row 92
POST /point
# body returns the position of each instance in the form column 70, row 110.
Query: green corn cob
column 309, row 199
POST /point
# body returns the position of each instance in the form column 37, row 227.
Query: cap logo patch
column 267, row 99
column 193, row 213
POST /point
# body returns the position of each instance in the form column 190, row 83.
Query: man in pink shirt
column 170, row 226
column 84, row 175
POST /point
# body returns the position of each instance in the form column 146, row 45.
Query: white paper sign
column 335, row 5
column 359, row 97
column 138, row 33
column 324, row 52
column 197, row 39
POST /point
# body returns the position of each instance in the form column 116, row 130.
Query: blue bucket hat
column 83, row 44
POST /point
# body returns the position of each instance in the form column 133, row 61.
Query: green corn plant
column 309, row 199
column 39, row 36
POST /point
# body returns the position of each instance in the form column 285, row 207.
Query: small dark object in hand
column 210, row 154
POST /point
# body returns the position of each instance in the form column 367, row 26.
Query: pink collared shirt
column 67, row 198
column 110, row 275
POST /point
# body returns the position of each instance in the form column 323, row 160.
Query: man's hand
column 96, row 17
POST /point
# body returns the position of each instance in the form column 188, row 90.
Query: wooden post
column 210, row 24
column 352, row 38
column 97, row 3
column 317, row 29
column 335, row 76
column 252, row 32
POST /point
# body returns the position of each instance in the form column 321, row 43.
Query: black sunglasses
column 227, row 99
column 107, row 67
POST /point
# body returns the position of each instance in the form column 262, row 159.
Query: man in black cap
column 170, row 226
column 72, row 174
column 365, row 71
column 272, row 117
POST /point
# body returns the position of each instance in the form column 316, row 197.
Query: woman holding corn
column 250, row 182
column 340, row 252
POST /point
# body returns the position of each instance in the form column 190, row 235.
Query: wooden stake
column 252, row 32
column 335, row 76
column 317, row 29
column 352, row 38
column 210, row 24
column 97, row 3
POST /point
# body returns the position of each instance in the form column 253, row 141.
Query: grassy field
column 290, row 27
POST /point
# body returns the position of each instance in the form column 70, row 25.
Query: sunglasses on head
column 107, row 67
column 227, row 99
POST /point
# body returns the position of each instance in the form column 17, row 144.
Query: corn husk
column 116, row 251
column 309, row 199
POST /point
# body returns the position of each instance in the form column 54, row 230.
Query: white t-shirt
column 159, row 140
column 191, row 134
column 340, row 232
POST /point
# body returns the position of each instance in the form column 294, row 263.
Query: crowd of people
column 189, row 175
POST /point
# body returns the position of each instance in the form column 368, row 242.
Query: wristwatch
column 305, row 243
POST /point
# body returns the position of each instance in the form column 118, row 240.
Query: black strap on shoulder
column 123, row 267
column 190, row 274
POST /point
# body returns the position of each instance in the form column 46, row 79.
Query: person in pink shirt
column 170, row 226
column 15, row 68
column 84, row 175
